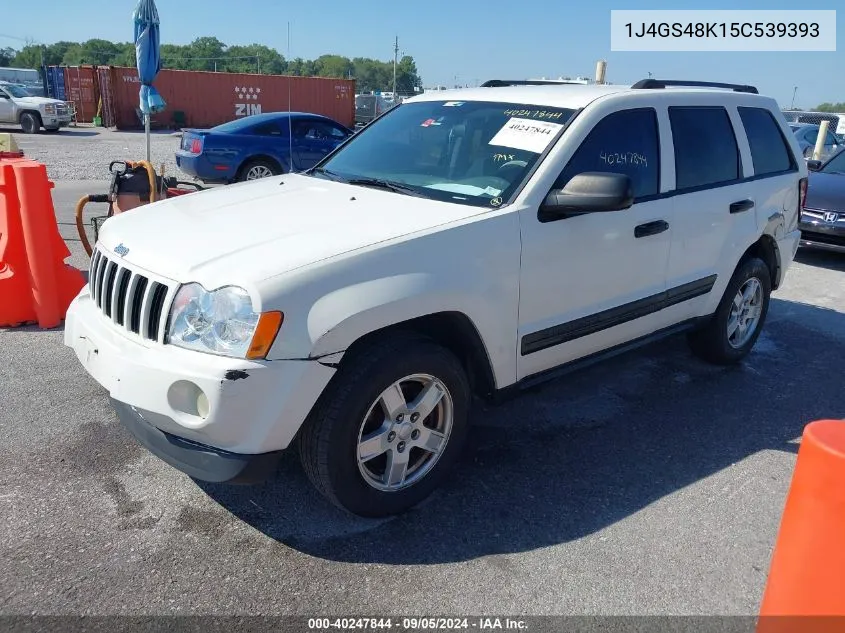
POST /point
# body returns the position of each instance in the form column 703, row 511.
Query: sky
column 460, row 41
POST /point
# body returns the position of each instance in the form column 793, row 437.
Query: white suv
column 463, row 244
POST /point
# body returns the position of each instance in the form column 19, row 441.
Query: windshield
column 469, row 152
column 16, row 91
column 836, row 165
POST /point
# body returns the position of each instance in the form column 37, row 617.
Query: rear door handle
column 742, row 205
column 651, row 228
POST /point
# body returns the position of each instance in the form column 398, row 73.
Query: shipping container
column 81, row 89
column 55, row 77
column 106, row 95
column 206, row 99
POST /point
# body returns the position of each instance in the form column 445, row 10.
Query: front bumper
column 819, row 232
column 196, row 460
column 253, row 407
column 55, row 122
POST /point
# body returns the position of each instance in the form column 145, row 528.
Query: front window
column 466, row 152
column 17, row 91
column 836, row 165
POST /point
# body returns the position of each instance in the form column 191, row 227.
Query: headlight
column 50, row 108
column 221, row 322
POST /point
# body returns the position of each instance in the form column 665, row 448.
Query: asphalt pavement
column 649, row 484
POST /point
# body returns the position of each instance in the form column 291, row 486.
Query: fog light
column 202, row 405
column 186, row 397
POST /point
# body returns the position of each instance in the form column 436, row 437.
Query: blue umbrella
column 148, row 60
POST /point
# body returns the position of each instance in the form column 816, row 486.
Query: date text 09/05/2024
column 723, row 29
column 416, row 624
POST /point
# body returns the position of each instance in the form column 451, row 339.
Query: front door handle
column 651, row 228
column 742, row 205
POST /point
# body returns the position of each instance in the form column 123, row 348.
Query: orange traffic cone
column 807, row 573
column 35, row 283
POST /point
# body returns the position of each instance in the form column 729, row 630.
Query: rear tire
column 373, row 420
column 257, row 169
column 732, row 331
column 30, row 123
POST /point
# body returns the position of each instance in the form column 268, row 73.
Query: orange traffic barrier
column 806, row 585
column 35, row 283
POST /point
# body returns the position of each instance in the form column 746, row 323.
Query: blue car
column 259, row 146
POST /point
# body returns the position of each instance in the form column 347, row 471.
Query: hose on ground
column 80, row 225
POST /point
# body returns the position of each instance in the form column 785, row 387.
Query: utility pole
column 395, row 61
column 258, row 57
column 794, row 91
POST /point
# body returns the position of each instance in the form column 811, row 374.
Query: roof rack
column 499, row 83
column 648, row 84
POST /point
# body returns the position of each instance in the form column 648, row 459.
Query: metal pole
column 147, row 133
column 395, row 61
column 259, row 63
column 794, row 91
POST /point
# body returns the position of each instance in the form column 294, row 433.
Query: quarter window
column 706, row 152
column 769, row 152
column 625, row 142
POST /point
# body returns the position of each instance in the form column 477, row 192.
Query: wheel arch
column 766, row 249
column 342, row 322
column 36, row 113
column 261, row 157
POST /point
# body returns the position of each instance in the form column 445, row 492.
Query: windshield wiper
column 327, row 172
column 389, row 185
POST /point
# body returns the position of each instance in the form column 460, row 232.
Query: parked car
column 19, row 107
column 823, row 216
column 460, row 246
column 808, row 133
column 258, row 146
column 369, row 107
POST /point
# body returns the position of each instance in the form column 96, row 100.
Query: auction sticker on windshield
column 526, row 134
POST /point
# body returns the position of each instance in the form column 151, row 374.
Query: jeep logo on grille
column 121, row 250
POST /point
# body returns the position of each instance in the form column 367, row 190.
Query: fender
column 343, row 316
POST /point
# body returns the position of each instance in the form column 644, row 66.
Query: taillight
column 196, row 146
column 802, row 193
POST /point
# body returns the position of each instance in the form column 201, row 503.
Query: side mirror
column 814, row 165
column 589, row 192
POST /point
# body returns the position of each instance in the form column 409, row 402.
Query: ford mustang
column 258, row 146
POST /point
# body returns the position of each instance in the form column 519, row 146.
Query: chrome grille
column 128, row 298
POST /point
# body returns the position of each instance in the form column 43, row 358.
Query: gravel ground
column 650, row 484
column 84, row 152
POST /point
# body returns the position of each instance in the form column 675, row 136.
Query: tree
column 203, row 52
column 333, row 66
column 6, row 56
column 95, row 51
column 407, row 77
column 252, row 59
column 831, row 107
column 28, row 57
column 209, row 53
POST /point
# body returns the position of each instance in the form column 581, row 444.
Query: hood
column 36, row 101
column 826, row 192
column 255, row 230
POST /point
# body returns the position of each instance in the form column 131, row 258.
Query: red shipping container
column 81, row 88
column 208, row 99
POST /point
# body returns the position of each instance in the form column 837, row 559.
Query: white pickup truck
column 465, row 244
column 18, row 107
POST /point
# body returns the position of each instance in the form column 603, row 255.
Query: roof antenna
column 290, row 123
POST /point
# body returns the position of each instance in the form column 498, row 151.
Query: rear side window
column 624, row 142
column 706, row 152
column 769, row 152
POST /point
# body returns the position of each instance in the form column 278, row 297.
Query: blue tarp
column 147, row 55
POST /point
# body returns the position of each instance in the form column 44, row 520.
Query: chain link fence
column 836, row 121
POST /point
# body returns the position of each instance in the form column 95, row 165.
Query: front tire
column 732, row 331
column 389, row 427
column 30, row 123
